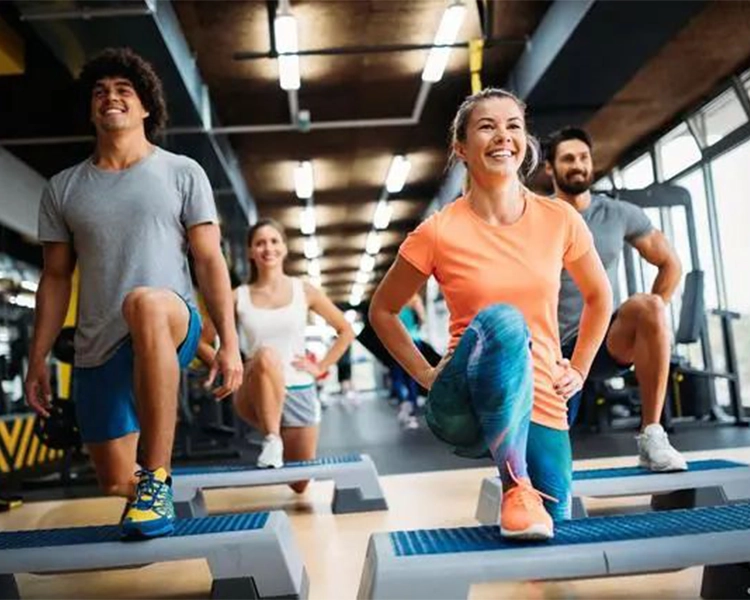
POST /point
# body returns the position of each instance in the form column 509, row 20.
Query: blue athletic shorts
column 104, row 397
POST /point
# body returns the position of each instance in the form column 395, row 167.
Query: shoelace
column 151, row 493
column 525, row 485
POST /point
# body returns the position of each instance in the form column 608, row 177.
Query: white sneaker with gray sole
column 272, row 452
column 655, row 453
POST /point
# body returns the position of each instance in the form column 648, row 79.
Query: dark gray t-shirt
column 128, row 228
column 612, row 223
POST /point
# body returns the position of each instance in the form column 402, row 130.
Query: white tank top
column 282, row 329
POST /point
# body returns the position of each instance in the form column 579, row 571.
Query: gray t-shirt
column 128, row 228
column 612, row 223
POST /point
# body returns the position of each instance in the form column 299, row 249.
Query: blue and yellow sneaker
column 151, row 514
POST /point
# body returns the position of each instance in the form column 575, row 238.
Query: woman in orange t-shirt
column 497, row 253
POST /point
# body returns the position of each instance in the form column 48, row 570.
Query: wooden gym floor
column 333, row 547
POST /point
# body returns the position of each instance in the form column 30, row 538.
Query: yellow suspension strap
column 64, row 370
column 476, row 50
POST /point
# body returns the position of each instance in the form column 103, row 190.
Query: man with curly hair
column 126, row 217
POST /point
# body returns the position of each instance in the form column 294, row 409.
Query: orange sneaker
column 522, row 513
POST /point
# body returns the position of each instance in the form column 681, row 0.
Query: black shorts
column 605, row 365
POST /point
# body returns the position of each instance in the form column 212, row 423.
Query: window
column 603, row 184
column 718, row 118
column 621, row 285
column 677, row 151
column 693, row 183
column 638, row 174
column 746, row 81
column 647, row 270
column 675, row 228
column 732, row 188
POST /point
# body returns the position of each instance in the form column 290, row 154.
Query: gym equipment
column 250, row 555
column 692, row 395
column 63, row 349
column 733, row 479
column 444, row 563
column 10, row 502
column 60, row 430
column 355, row 478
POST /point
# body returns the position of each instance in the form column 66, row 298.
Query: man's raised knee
column 651, row 312
column 140, row 304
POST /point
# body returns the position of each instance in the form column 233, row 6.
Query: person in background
column 638, row 335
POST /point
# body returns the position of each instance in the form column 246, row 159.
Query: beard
column 574, row 188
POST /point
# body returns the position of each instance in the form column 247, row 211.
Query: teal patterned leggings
column 481, row 403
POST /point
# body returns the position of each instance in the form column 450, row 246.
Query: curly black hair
column 123, row 62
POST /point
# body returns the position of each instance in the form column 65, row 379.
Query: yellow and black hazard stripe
column 65, row 371
column 20, row 448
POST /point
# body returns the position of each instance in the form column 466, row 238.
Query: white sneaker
column 404, row 413
column 272, row 452
column 411, row 423
column 655, row 453
column 352, row 398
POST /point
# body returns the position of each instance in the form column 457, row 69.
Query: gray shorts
column 301, row 407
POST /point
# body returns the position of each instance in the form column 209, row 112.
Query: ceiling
column 617, row 67
column 350, row 164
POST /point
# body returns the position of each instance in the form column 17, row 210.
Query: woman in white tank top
column 278, row 394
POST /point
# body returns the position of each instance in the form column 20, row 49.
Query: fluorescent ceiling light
column 285, row 31
column 448, row 29
column 307, row 220
column 437, row 60
column 367, row 264
column 313, row 268
column 446, row 35
column 311, row 248
column 289, row 78
column 372, row 245
column 383, row 212
column 397, row 174
column 303, row 180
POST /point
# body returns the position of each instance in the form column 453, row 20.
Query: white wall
column 20, row 190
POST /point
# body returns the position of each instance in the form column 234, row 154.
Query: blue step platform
column 249, row 555
column 733, row 479
column 444, row 563
column 356, row 484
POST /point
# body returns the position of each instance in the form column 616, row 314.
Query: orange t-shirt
column 478, row 264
